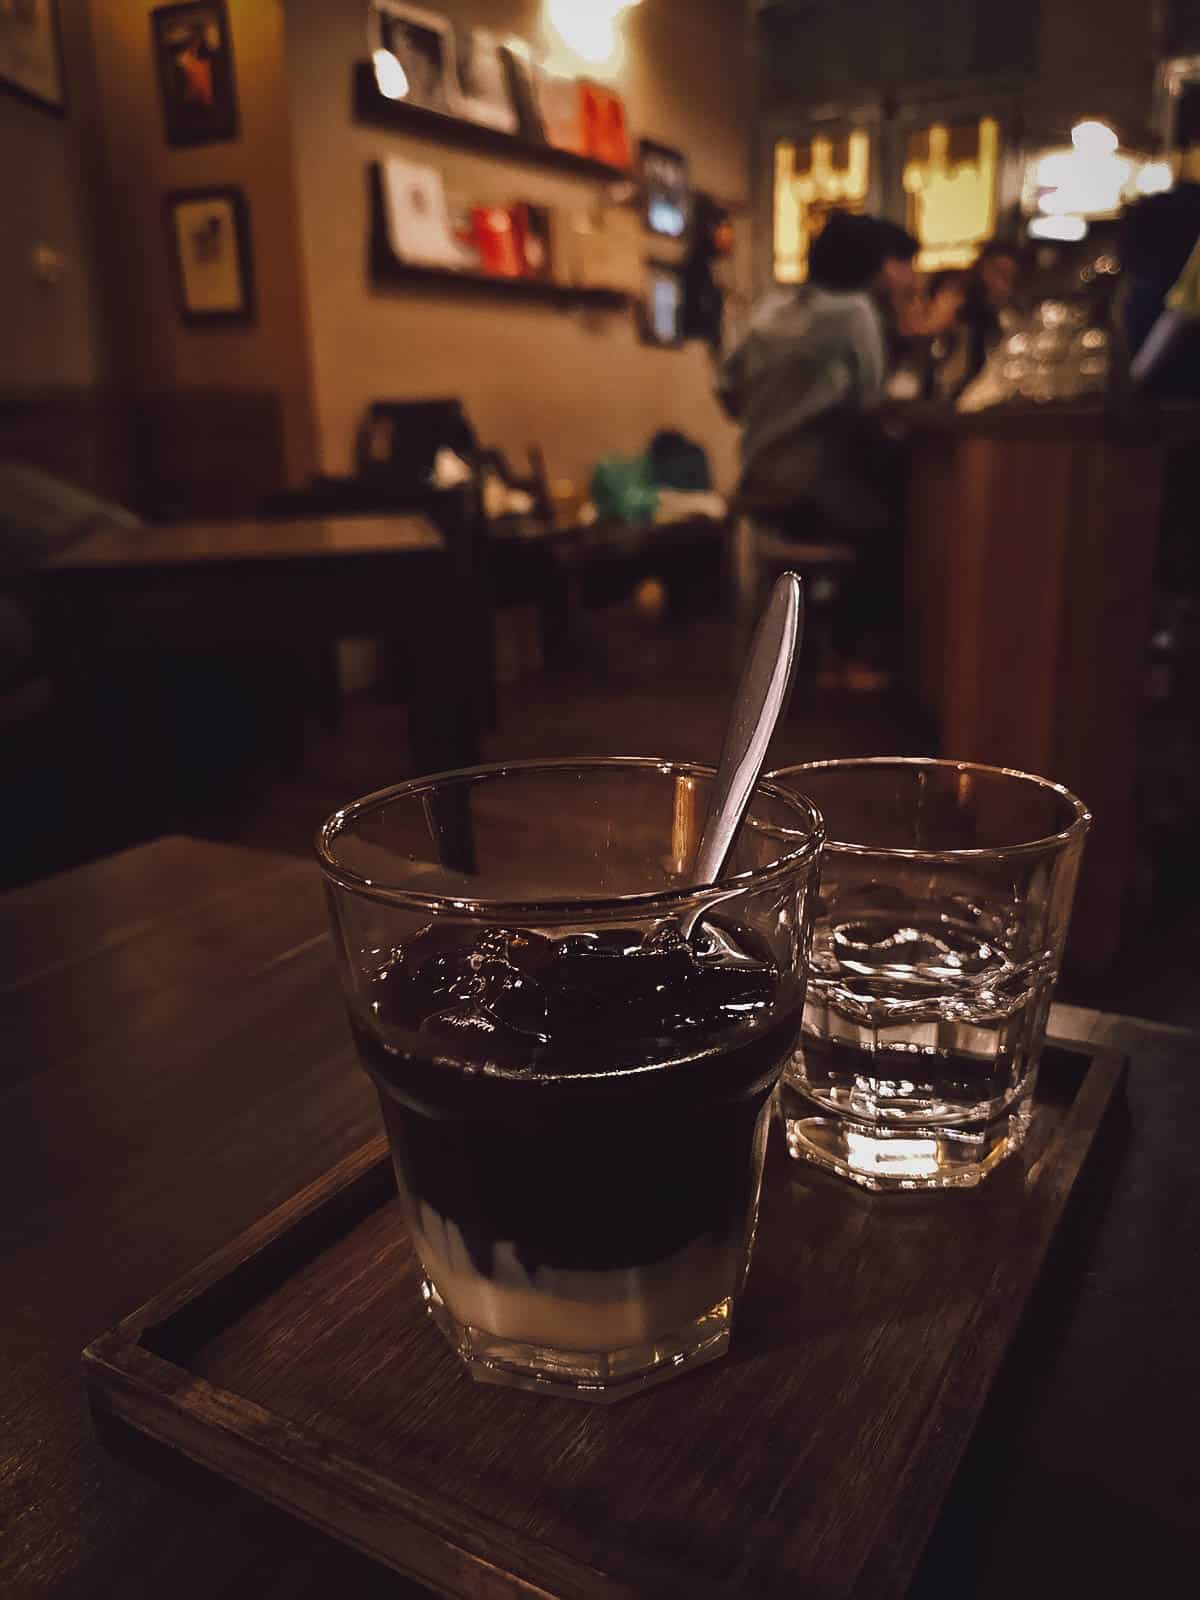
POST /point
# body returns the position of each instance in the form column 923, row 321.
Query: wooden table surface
column 178, row 1063
column 253, row 539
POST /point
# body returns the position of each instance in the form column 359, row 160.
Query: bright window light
column 1067, row 229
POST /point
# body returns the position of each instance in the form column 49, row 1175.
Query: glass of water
column 946, row 891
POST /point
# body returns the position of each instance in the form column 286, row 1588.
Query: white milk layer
column 573, row 1308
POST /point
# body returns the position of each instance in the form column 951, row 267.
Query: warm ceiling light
column 390, row 77
column 1156, row 177
column 1088, row 180
column 588, row 28
column 1094, row 139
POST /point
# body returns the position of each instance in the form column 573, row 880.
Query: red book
column 605, row 133
column 496, row 238
column 531, row 231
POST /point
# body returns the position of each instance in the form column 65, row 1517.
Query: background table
column 178, row 1063
column 122, row 598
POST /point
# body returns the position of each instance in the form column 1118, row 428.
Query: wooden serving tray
column 811, row 1460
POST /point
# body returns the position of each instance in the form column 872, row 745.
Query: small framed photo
column 484, row 93
column 194, row 51
column 521, row 72
column 662, row 307
column 417, row 217
column 208, row 239
column 665, row 185
column 30, row 54
column 421, row 45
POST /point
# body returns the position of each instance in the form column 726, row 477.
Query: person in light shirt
column 806, row 385
column 814, row 364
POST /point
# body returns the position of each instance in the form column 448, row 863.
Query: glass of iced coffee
column 575, row 1051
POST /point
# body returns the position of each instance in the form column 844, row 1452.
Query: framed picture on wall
column 520, row 71
column 193, row 49
column 665, row 184
column 208, row 242
column 662, row 305
column 30, row 53
column 421, row 44
column 417, row 216
column 484, row 93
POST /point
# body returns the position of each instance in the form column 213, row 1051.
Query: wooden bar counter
column 1032, row 540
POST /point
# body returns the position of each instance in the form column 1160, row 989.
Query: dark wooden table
column 119, row 599
column 177, row 1063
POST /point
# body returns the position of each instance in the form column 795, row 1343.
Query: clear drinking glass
column 946, row 891
column 575, row 1051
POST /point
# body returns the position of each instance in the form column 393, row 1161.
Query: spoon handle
column 761, row 700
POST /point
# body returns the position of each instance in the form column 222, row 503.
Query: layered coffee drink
column 578, row 1121
column 576, row 1049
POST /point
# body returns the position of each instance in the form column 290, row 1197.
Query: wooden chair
column 759, row 555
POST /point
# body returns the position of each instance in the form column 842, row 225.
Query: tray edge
column 145, row 1391
column 888, row 1565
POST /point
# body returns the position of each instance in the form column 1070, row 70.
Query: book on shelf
column 417, row 216
column 560, row 104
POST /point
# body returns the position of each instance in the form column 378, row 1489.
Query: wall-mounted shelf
column 401, row 117
column 389, row 268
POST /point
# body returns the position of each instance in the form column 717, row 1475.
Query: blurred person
column 898, row 288
column 1159, row 236
column 806, row 384
column 1156, row 317
column 812, row 366
column 966, row 316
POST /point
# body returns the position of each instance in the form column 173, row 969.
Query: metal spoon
column 762, row 697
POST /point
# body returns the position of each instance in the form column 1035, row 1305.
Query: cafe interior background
column 454, row 280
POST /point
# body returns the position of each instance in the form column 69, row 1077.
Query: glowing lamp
column 1156, row 177
column 390, row 77
column 588, row 28
column 1094, row 139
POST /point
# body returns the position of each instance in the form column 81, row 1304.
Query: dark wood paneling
column 821, row 52
column 1003, row 38
column 165, row 453
column 1183, row 27
column 925, row 43
column 209, row 452
column 81, row 435
column 826, row 51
